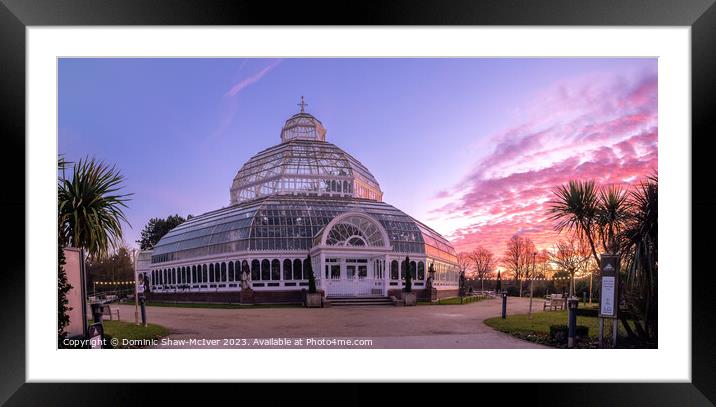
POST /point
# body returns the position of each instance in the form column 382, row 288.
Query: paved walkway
column 424, row 326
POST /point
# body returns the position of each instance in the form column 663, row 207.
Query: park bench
column 107, row 311
column 554, row 302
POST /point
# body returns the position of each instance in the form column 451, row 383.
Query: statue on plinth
column 245, row 280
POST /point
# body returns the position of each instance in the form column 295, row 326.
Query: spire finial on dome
column 303, row 105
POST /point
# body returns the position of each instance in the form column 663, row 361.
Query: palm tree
column 624, row 224
column 90, row 207
column 575, row 209
column 639, row 243
column 611, row 215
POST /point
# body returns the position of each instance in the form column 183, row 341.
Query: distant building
column 301, row 197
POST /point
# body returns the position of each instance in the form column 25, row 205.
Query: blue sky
column 180, row 129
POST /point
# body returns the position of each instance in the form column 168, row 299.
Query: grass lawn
column 219, row 305
column 128, row 330
column 453, row 301
column 537, row 329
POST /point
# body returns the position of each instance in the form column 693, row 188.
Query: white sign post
column 609, row 300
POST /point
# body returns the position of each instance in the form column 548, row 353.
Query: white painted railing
column 354, row 287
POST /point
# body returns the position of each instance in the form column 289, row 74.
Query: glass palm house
column 302, row 200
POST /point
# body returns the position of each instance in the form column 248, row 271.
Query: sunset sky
column 472, row 147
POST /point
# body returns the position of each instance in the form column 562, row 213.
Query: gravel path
column 424, row 326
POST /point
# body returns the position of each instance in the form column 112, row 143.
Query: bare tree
column 483, row 264
column 463, row 262
column 571, row 256
column 543, row 267
column 518, row 258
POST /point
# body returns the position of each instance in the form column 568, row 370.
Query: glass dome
column 304, row 164
column 303, row 126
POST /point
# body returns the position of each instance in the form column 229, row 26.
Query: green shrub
column 560, row 333
column 587, row 312
column 513, row 291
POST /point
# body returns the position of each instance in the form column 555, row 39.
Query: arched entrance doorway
column 351, row 253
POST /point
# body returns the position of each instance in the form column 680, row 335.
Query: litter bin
column 96, row 312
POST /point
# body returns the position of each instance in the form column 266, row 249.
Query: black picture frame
column 700, row 15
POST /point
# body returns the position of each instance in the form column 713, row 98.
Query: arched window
column 412, row 269
column 306, row 266
column 355, row 230
column 223, row 272
column 421, row 271
column 403, row 267
column 394, row 270
column 217, row 272
column 287, row 274
column 265, row 269
column 244, row 268
column 275, row 269
column 174, row 276
column 255, row 270
column 211, row 273
column 204, row 276
column 231, row 271
column 297, row 270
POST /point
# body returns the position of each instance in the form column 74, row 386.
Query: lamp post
column 136, row 294
column 532, row 282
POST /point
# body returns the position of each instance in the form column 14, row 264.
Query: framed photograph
column 464, row 193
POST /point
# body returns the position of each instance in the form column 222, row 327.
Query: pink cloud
column 601, row 127
column 246, row 82
column 231, row 103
